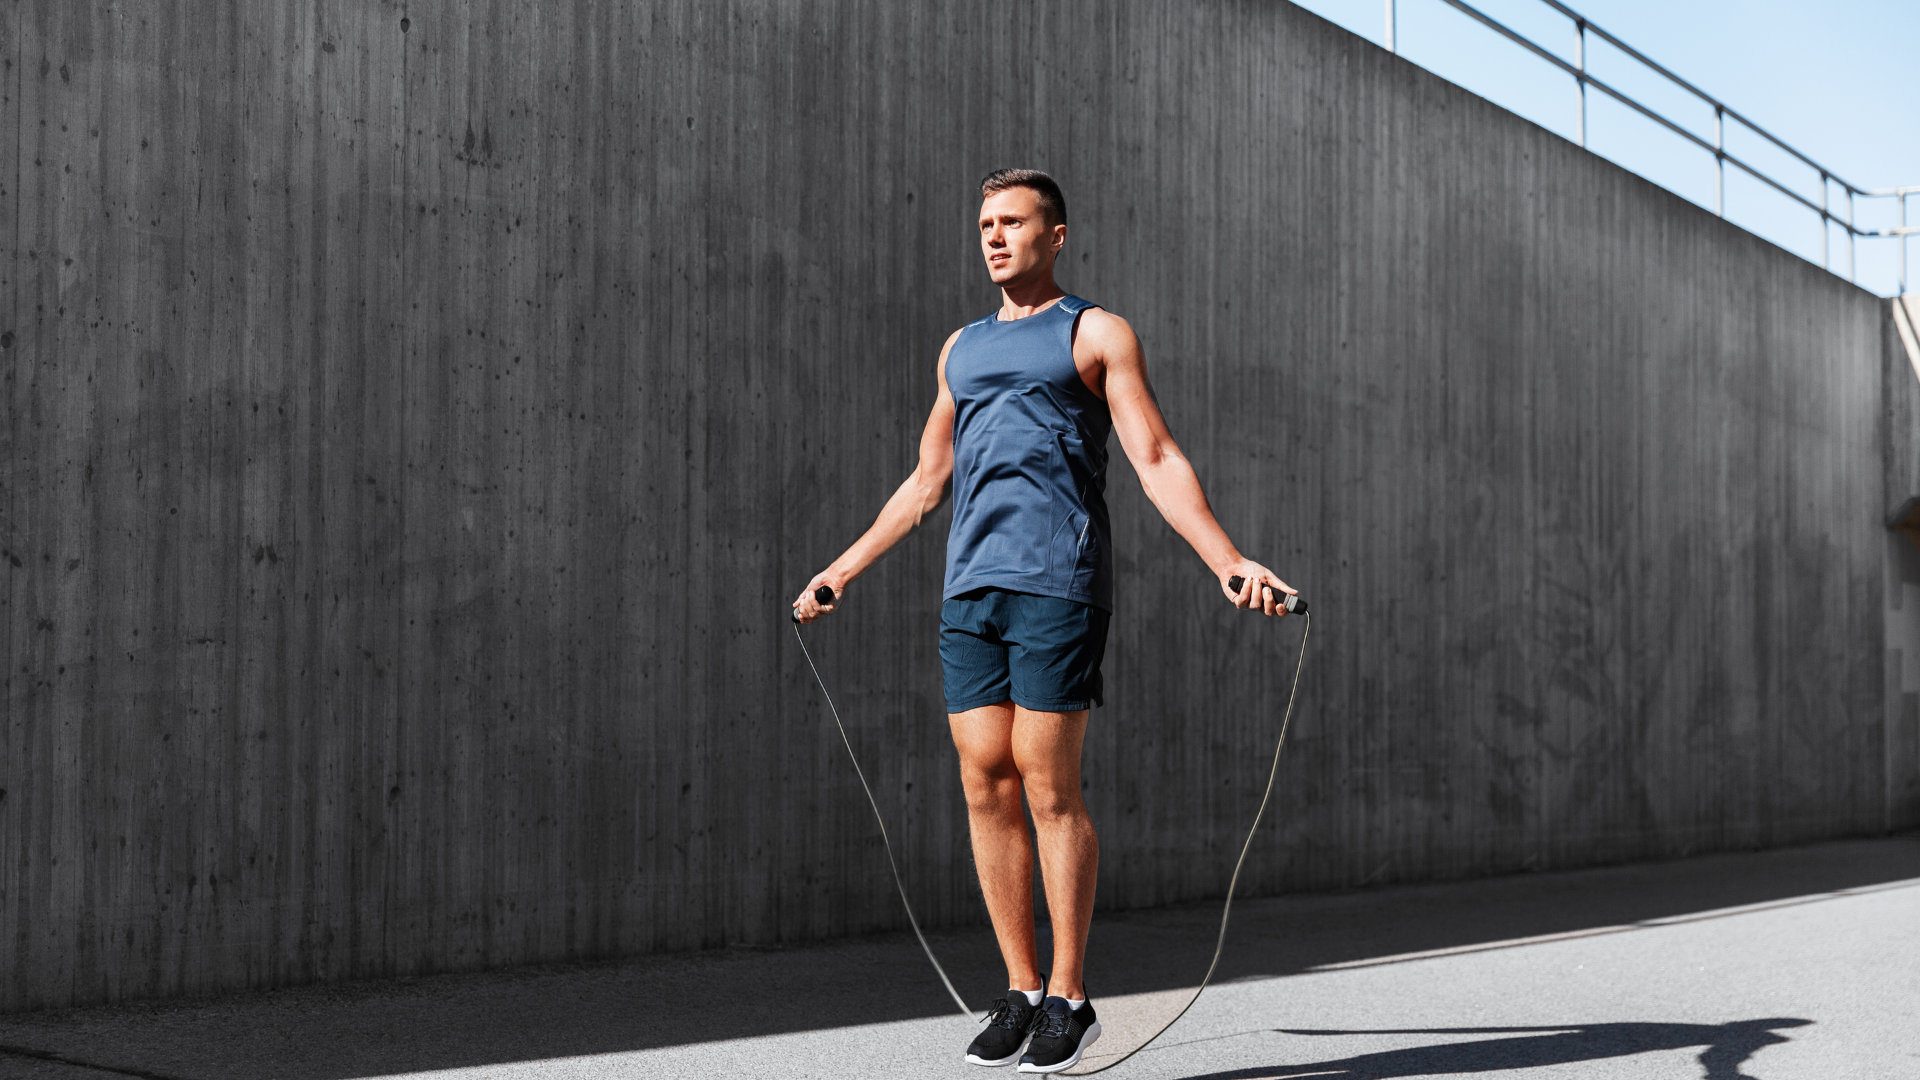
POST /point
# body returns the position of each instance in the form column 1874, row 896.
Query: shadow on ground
column 1727, row 1047
column 451, row 1021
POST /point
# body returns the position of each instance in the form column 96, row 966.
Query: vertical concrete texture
column 418, row 417
column 1902, row 497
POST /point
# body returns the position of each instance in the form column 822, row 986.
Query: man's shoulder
column 1097, row 324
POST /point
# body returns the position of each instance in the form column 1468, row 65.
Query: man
column 1027, row 396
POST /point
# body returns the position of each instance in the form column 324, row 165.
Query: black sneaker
column 1007, row 1026
column 1059, row 1036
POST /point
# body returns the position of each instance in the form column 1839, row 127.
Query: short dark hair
column 1052, row 203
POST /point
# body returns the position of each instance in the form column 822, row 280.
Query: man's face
column 1014, row 236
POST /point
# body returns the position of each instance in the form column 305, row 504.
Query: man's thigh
column 1010, row 739
column 984, row 738
column 1046, row 745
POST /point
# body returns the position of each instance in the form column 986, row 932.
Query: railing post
column 1391, row 47
column 1850, row 266
column 1903, row 243
column 1826, row 234
column 1720, row 161
column 1580, row 62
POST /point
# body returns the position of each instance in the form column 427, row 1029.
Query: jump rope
column 1292, row 603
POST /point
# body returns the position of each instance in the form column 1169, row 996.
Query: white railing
column 1718, row 147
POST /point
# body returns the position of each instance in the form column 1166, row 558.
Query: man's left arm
column 1165, row 473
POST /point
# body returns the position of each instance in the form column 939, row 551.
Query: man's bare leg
column 1046, row 748
column 1002, row 848
column 1005, row 751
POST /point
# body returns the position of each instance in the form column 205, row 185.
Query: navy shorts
column 1038, row 651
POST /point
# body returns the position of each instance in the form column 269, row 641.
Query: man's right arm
column 921, row 493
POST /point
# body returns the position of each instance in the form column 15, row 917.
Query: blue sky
column 1838, row 80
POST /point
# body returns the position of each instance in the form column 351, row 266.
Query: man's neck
column 1021, row 299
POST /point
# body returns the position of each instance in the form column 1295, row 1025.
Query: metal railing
column 1718, row 147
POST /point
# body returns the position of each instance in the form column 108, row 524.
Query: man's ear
column 1059, row 238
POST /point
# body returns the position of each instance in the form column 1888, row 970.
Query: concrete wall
column 1902, row 493
column 418, row 418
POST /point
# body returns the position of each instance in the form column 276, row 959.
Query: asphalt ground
column 1801, row 962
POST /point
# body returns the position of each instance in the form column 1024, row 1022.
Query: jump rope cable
column 1226, row 911
column 891, row 863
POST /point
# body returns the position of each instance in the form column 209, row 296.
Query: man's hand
column 1260, row 590
column 806, row 608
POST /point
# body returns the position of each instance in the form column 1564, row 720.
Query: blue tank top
column 1029, row 462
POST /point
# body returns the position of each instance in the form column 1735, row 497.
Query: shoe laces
column 1001, row 1015
column 1049, row 1024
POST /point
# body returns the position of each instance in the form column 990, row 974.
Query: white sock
column 1032, row 996
column 1075, row 1004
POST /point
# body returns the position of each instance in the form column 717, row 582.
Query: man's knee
column 1051, row 803
column 993, row 792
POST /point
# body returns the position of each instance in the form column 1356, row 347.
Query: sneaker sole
column 1008, row 1060
column 1072, row 1059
